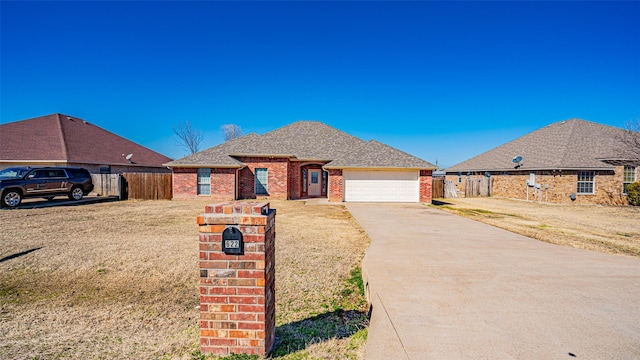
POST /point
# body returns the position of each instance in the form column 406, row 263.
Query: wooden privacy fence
column 450, row 191
column 107, row 184
column 442, row 188
column 148, row 186
column 139, row 186
column 437, row 187
column 477, row 187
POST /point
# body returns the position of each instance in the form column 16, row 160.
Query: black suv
column 46, row 182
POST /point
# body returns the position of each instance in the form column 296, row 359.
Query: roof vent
column 69, row 118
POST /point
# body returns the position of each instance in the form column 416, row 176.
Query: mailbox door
column 232, row 243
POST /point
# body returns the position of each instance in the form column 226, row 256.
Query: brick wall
column 425, row 186
column 295, row 180
column 277, row 182
column 185, row 183
column 335, row 185
column 223, row 184
column 608, row 187
column 237, row 292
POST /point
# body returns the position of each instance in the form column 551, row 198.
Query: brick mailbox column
column 237, row 278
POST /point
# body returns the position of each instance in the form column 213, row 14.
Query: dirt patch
column 609, row 229
column 120, row 280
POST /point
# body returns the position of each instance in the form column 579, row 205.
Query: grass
column 120, row 280
column 608, row 229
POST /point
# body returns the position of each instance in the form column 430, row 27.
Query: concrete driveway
column 446, row 287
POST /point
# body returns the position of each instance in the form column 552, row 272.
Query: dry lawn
column 120, row 281
column 609, row 229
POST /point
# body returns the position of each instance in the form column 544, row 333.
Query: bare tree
column 231, row 131
column 188, row 137
column 631, row 139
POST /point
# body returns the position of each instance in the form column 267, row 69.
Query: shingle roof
column 305, row 140
column 374, row 154
column 58, row 137
column 569, row 144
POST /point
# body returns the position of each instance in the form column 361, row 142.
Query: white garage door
column 381, row 186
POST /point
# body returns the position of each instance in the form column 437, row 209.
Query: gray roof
column 374, row 154
column 305, row 141
column 566, row 145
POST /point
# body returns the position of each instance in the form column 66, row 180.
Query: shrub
column 633, row 193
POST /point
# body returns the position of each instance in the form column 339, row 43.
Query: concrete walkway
column 446, row 287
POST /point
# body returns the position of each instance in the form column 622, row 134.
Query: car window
column 12, row 173
column 81, row 173
column 57, row 173
column 38, row 174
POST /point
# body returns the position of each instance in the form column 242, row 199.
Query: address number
column 232, row 244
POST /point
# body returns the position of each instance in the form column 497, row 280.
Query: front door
column 314, row 182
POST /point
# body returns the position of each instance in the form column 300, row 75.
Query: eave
column 212, row 166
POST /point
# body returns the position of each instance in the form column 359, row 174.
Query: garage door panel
column 381, row 186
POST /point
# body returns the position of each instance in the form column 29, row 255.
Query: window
column 261, row 181
column 204, row 181
column 629, row 177
column 57, row 174
column 585, row 182
column 39, row 174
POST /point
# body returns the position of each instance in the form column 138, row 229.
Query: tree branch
column 188, row 137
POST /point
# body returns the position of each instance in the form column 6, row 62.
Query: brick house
column 61, row 140
column 306, row 159
column 571, row 161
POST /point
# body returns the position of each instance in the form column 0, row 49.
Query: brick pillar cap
column 241, row 207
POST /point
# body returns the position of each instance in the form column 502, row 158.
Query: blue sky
column 444, row 81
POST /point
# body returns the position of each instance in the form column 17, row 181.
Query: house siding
column 607, row 187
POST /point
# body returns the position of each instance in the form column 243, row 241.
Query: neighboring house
column 572, row 161
column 306, row 159
column 61, row 140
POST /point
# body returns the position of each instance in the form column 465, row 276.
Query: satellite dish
column 517, row 159
column 128, row 157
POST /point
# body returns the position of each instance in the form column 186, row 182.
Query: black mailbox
column 232, row 243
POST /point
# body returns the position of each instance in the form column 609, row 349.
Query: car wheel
column 76, row 193
column 11, row 198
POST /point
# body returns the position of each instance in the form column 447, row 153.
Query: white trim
column 264, row 185
column 593, row 188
